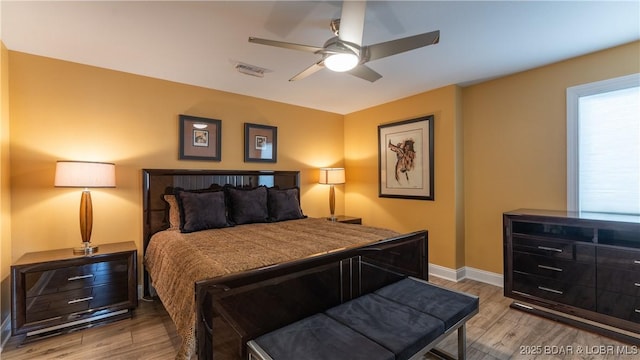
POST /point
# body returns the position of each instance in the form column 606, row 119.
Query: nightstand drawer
column 68, row 278
column 60, row 304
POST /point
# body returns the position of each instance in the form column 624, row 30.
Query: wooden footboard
column 234, row 309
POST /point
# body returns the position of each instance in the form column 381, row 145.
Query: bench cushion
column 319, row 337
column 397, row 327
column 446, row 305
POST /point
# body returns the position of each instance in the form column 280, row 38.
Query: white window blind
column 604, row 146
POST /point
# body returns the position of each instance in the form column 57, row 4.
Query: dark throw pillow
column 284, row 204
column 201, row 211
column 247, row 206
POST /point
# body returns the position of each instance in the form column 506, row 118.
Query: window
column 603, row 146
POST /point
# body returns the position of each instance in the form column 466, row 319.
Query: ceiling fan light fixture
column 341, row 62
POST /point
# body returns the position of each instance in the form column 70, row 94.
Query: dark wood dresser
column 581, row 269
column 55, row 291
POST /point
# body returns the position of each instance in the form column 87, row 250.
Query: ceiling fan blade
column 381, row 50
column 365, row 72
column 352, row 21
column 308, row 71
column 285, row 45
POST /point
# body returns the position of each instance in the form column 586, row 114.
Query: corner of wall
column 5, row 198
column 459, row 178
column 5, row 320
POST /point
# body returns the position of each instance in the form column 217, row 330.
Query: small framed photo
column 260, row 143
column 200, row 138
column 405, row 154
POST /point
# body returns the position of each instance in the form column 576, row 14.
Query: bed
column 189, row 251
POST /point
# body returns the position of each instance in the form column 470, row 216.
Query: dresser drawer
column 568, row 250
column 619, row 305
column 626, row 259
column 619, row 281
column 77, row 277
column 555, row 268
column 563, row 292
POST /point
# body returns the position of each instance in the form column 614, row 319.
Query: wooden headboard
column 158, row 182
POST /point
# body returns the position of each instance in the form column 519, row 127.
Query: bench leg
column 462, row 342
column 462, row 347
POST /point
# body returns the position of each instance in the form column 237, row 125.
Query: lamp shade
column 85, row 174
column 331, row 176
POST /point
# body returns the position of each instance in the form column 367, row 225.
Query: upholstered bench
column 403, row 320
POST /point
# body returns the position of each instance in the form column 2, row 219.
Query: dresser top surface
column 633, row 219
column 67, row 254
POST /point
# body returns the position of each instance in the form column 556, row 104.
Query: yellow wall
column 5, row 191
column 439, row 217
column 63, row 110
column 499, row 145
column 515, row 144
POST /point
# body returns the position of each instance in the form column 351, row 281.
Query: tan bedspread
column 175, row 261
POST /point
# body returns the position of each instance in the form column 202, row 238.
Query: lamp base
column 85, row 249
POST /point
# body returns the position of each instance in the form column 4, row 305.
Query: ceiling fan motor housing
column 337, row 46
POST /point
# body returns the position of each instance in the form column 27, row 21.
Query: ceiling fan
column 345, row 53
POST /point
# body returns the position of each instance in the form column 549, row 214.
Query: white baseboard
column 466, row 273
column 5, row 332
column 445, row 273
column 486, row 277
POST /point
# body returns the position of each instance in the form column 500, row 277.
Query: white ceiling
column 200, row 42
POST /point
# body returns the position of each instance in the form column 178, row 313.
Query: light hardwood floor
column 497, row 332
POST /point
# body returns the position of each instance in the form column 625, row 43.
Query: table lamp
column 332, row 176
column 85, row 174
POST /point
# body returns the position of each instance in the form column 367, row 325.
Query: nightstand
column 55, row 292
column 347, row 219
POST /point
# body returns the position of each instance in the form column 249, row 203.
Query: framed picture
column 260, row 143
column 405, row 154
column 200, row 138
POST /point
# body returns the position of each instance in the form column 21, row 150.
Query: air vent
column 250, row 69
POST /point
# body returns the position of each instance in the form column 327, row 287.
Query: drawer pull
column 549, row 248
column 637, row 284
column 550, row 268
column 74, row 301
column 550, row 290
column 638, row 311
column 637, row 262
column 80, row 277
